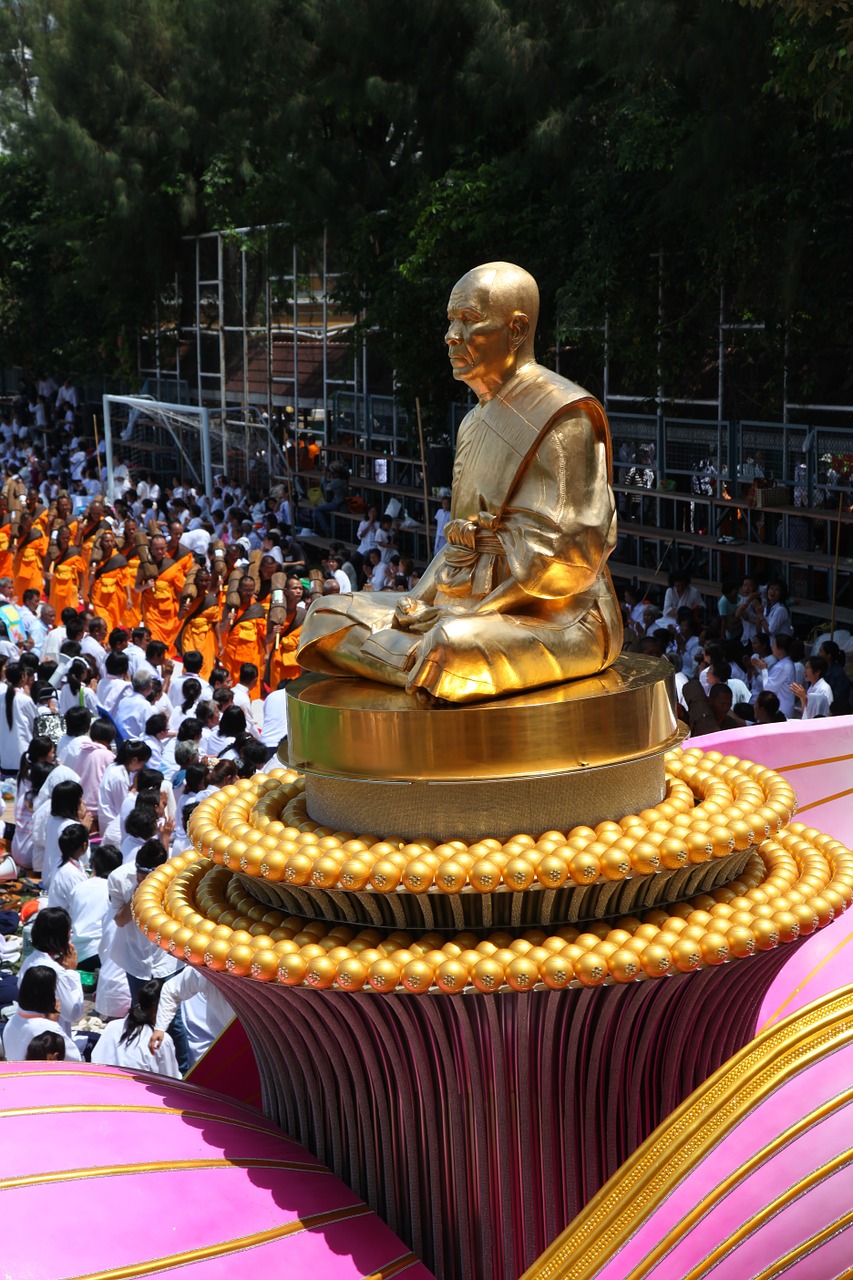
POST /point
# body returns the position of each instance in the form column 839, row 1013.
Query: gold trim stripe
column 238, row 1245
column 815, row 804
column 806, row 980
column 394, row 1268
column 645, row 1180
column 155, row 1166
column 70, row 1108
column 811, row 764
column 686, row 1224
column 781, row 1265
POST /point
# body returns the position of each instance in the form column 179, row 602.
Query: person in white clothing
column 773, row 616
column 442, row 516
column 38, row 1011
column 77, row 722
column 275, row 717
column 815, row 696
column 779, row 678
column 117, row 780
column 185, row 706
column 17, row 716
column 193, row 663
column 74, row 865
column 128, row 1043
column 41, row 810
column 76, row 692
column 117, row 678
column 67, row 808
column 680, row 594
column 131, row 950
column 243, row 690
column 93, row 644
column 206, row 1011
column 88, row 900
column 52, row 946
column 134, row 706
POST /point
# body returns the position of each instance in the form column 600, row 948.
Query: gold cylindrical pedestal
column 550, row 759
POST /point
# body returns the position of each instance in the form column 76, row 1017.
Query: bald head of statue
column 492, row 316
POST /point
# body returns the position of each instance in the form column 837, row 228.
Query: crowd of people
column 741, row 664
column 145, row 647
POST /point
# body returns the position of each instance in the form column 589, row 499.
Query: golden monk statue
column 520, row 596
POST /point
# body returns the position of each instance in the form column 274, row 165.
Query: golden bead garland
column 797, row 882
column 714, row 805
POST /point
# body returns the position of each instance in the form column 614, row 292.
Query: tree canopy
column 625, row 151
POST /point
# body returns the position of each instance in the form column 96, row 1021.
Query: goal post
column 171, row 418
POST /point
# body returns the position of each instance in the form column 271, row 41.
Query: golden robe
column 6, row 557
column 109, row 592
column 199, row 632
column 533, row 469
column 160, row 605
column 246, row 642
column 65, row 577
column 28, row 564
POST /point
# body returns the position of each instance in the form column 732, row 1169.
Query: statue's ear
column 519, row 327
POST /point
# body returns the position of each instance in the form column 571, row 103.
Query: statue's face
column 479, row 340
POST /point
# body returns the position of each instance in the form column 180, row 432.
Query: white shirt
column 54, row 642
column 62, row 885
column 109, row 690
column 88, row 900
column 115, row 785
column 91, row 646
column 112, row 996
column 778, row 679
column 242, row 699
column 132, row 712
column 819, row 700
column 134, row 655
column 24, row 1027
column 343, row 582
column 15, row 740
column 131, row 950
column 177, row 684
column 217, row 1012
column 68, row 749
column 275, row 718
column 84, row 697
column 134, row 1055
column 69, row 989
column 52, row 857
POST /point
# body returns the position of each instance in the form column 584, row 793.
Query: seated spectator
column 778, row 678
column 815, row 696
column 52, row 946
column 774, row 616
column 193, row 662
column 720, row 700
column 38, row 1012
column 66, row 807
column 837, row 679
column 77, row 721
column 88, row 902
column 73, row 867
column 767, row 709
column 730, row 623
column 206, row 1011
column 157, row 734
column 128, row 1043
column 247, row 687
column 47, row 1047
column 680, row 594
column 93, row 759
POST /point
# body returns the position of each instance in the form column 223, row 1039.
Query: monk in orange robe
column 243, row 633
column 130, row 551
column 282, row 664
column 160, row 595
column 199, row 619
column 108, row 584
column 30, row 551
column 66, row 573
column 6, row 555
column 93, row 522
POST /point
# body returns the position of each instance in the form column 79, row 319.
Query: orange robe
column 160, row 604
column 109, row 594
column 28, row 565
column 6, row 556
column 88, row 544
column 246, row 642
column 65, row 577
column 199, row 632
column 283, row 664
column 132, row 616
